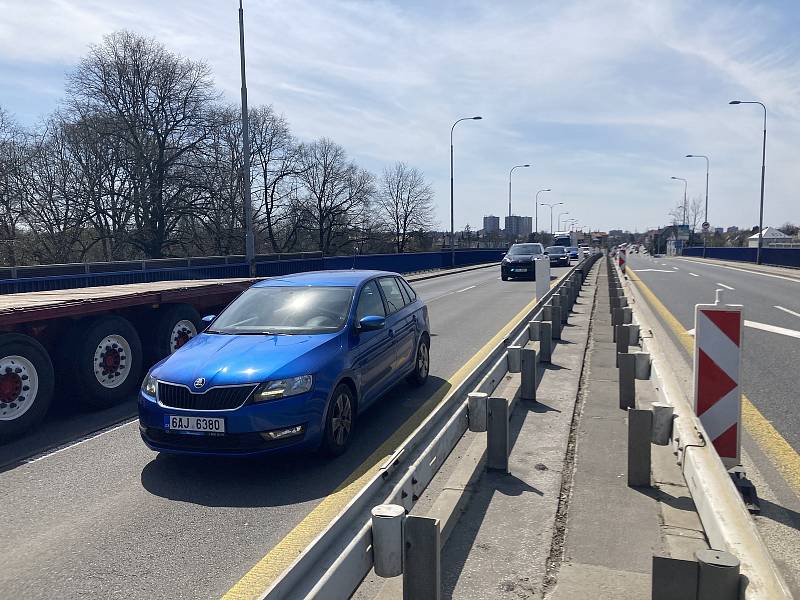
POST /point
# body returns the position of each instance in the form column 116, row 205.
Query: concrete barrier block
column 513, row 359
column 497, row 435
column 718, row 575
column 674, row 579
column 640, row 426
column 477, row 410
column 627, row 381
column 422, row 572
column 528, row 369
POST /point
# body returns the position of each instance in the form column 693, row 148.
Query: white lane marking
column 794, row 279
column 89, row 438
column 652, row 271
column 727, row 287
column 773, row 329
column 676, row 268
column 663, row 264
column 694, row 274
column 465, row 289
column 786, row 310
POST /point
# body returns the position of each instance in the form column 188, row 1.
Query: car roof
column 348, row 278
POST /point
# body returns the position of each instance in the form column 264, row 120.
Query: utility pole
column 249, row 242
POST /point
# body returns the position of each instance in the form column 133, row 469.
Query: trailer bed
column 38, row 306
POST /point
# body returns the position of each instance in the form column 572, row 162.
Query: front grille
column 230, row 442
column 220, row 398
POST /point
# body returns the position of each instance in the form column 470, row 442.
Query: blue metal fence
column 783, row 257
column 57, row 277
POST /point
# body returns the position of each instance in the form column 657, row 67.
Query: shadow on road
column 289, row 478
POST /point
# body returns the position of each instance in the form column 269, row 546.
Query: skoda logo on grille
column 199, row 382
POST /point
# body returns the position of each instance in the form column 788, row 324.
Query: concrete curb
column 445, row 272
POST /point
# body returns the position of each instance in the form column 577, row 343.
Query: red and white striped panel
column 717, row 395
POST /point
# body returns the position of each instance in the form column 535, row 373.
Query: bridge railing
column 55, row 277
column 782, row 257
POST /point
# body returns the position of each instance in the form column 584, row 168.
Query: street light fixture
column 536, row 210
column 249, row 240
column 551, row 213
column 705, row 218
column 561, row 214
column 509, row 185
column 685, row 187
column 763, row 168
column 452, row 222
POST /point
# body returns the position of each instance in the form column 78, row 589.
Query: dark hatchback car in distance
column 558, row 256
column 519, row 261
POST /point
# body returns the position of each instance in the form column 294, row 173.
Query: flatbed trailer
column 92, row 345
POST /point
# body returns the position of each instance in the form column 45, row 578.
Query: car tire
column 503, row 276
column 422, row 363
column 114, row 341
column 339, row 421
column 25, row 372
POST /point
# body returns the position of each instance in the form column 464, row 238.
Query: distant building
column 732, row 229
column 491, row 224
column 518, row 226
column 769, row 236
column 718, row 230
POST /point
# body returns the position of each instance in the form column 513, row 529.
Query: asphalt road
column 105, row 517
column 771, row 343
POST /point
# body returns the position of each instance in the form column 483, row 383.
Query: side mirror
column 371, row 323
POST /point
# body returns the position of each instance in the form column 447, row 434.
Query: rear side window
column 370, row 303
column 412, row 295
column 392, row 293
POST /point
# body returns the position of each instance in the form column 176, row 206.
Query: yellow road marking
column 261, row 576
column 773, row 444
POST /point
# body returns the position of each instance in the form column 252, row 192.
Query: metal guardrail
column 782, row 257
column 336, row 562
column 54, row 277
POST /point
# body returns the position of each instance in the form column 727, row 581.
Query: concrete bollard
column 623, row 301
column 476, row 411
column 640, row 425
column 616, row 316
column 642, row 368
column 662, row 423
column 513, row 358
column 549, row 316
column 627, row 315
column 527, row 390
column 422, row 572
column 633, row 329
column 387, row 539
column 497, row 441
column 621, row 336
column 555, row 313
column 718, row 575
column 627, row 381
column 565, row 307
column 542, row 332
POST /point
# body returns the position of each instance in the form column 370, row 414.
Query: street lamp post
column 452, row 222
column 509, row 185
column 763, row 168
column 249, row 242
column 685, row 187
column 561, row 214
column 536, row 210
column 551, row 213
column 705, row 217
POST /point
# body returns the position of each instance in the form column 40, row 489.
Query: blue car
column 287, row 366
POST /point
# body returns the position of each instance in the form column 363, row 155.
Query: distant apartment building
column 733, row 229
column 718, row 230
column 491, row 224
column 518, row 226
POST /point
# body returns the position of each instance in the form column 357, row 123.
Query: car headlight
column 281, row 388
column 150, row 385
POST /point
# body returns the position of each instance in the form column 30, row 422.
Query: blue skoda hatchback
column 287, row 365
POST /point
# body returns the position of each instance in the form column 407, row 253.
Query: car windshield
column 525, row 249
column 555, row 250
column 286, row 310
column 573, row 248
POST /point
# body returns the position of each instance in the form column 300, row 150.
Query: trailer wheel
column 107, row 364
column 26, row 383
column 176, row 325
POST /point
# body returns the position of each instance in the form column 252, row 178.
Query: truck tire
column 107, row 363
column 26, row 384
column 176, row 324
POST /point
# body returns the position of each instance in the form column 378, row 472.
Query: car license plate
column 194, row 424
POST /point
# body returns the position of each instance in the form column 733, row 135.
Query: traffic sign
column 706, row 226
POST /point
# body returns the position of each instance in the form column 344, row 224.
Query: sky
column 603, row 97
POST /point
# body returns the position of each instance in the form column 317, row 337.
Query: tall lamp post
column 763, row 168
column 558, row 221
column 705, row 217
column 685, row 187
column 536, row 210
column 509, row 185
column 551, row 213
column 452, row 222
column 249, row 242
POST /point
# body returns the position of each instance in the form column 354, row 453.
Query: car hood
column 238, row 359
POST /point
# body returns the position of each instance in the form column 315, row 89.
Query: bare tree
column 14, row 155
column 156, row 102
column 693, row 214
column 337, row 193
column 404, row 203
